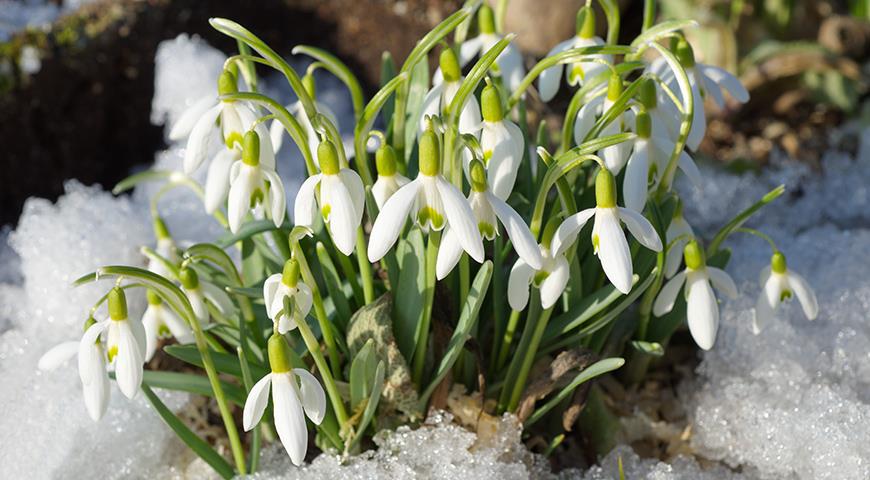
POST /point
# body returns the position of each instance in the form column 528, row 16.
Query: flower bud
column 647, row 93
column 117, row 304
column 684, row 53
column 643, row 124
column 777, row 263
column 189, row 279
column 614, row 87
column 160, row 230
column 478, row 176
column 430, row 153
column 309, row 85
column 327, row 156
column 586, row 22
column 279, row 354
column 694, row 255
column 605, row 189
column 486, row 19
column 449, row 65
column 251, row 148
column 152, row 297
column 491, row 104
column 385, row 160
column 227, row 83
column 290, row 275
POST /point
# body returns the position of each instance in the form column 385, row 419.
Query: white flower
column 389, row 179
column 608, row 239
column 96, row 391
column 702, row 307
column 551, row 278
column 199, row 292
column 576, row 73
column 438, row 98
column 252, row 184
column 502, row 143
column 679, row 234
column 159, row 321
column 432, row 202
column 509, row 61
column 614, row 156
column 287, row 284
column 342, row 199
column 165, row 248
column 705, row 81
column 488, row 209
column 236, row 118
column 295, row 394
column 780, row 284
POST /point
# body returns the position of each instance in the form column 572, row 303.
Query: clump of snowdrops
column 453, row 244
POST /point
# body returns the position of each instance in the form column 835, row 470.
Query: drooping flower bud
column 385, row 160
column 605, row 189
column 491, row 104
column 614, row 87
column 309, row 85
column 478, row 176
column 450, row 65
column 290, row 275
column 694, row 255
column 585, row 23
column 227, row 83
column 684, row 53
column 486, row 19
column 189, row 278
column 152, row 297
column 778, row 263
column 647, row 93
column 327, row 156
column 117, row 304
column 279, row 354
column 251, row 149
column 430, row 153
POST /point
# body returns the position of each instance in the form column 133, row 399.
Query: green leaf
column 650, row 348
column 333, row 286
column 611, row 12
column 434, row 36
column 467, row 321
column 475, row 76
column 741, row 218
column 192, row 383
column 371, row 405
column 198, row 445
column 388, row 72
column 223, row 362
column 362, row 374
column 596, row 369
column 339, row 69
column 581, row 312
column 365, row 122
column 146, row 176
column 247, row 230
column 216, row 255
column 661, row 30
column 417, row 89
column 408, row 294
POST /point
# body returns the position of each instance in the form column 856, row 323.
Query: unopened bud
column 430, row 153
column 251, row 148
column 605, row 189
column 117, row 304
column 327, row 156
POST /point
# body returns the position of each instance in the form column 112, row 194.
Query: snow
column 790, row 403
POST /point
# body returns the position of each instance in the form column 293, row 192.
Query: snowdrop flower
column 389, row 179
column 432, row 202
column 287, row 284
column 165, row 248
column 502, row 143
column 488, row 209
column 509, row 61
column 650, row 154
column 125, row 346
column 576, row 73
column 438, row 98
column 780, row 284
column 159, row 322
column 198, row 125
column 276, row 128
column 251, row 184
column 198, row 293
column 614, row 156
column 702, row 308
column 679, row 234
column 608, row 239
column 341, row 199
column 551, row 278
column 295, row 394
column 96, row 392
column 705, row 80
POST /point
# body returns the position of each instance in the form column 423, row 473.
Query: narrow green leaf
column 388, row 72
column 362, row 374
column 475, row 76
column 333, row 287
column 581, row 312
column 408, row 293
column 192, row 383
column 337, row 68
column 371, row 406
column 224, row 363
column 661, row 30
column 650, row 348
column 417, row 88
column 741, row 218
column 247, row 230
column 146, row 176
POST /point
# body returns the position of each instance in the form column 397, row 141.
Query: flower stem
column 365, row 268
column 516, row 363
column 528, row 358
column 428, row 299
column 507, row 339
column 319, row 310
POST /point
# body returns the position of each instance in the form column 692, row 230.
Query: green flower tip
column 684, row 53
column 430, row 153
column 777, row 263
column 478, row 176
column 585, row 22
column 385, row 160
column 251, row 148
column 643, row 124
column 605, row 189
column 290, row 276
column 160, row 230
column 694, row 255
column 152, row 297
column 189, row 278
column 327, row 155
column 279, row 354
column 647, row 93
column 491, row 104
column 614, row 87
column 227, row 83
column 309, row 85
column 117, row 304
column 486, row 19
column 449, row 65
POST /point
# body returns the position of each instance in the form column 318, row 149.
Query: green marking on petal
column 324, row 211
column 540, row 276
column 785, row 295
column 577, row 73
column 429, row 216
column 112, row 353
column 163, row 331
column 487, row 230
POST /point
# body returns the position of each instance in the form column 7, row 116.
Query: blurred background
column 77, row 76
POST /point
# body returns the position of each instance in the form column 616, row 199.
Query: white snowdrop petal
column 270, row 288
column 354, row 185
column 178, row 327
column 518, row 232
column 519, row 282
column 699, row 119
column 568, row 230
column 342, row 214
column 200, row 136
column 185, row 123
column 218, row 297
column 727, row 81
column 57, row 355
column 305, row 205
column 255, row 404
column 277, row 197
column 765, row 306
column 711, row 88
column 390, row 221
column 722, row 281
column 276, row 134
column 96, row 393
column 804, row 294
column 128, row 363
column 313, row 396
column 634, row 185
column 217, row 182
column 702, row 311
column 240, row 196
column 88, row 368
column 687, row 166
column 613, row 251
column 664, row 303
column 151, row 323
column 449, row 253
column 548, row 81
column 553, row 286
column 641, row 229
column 303, row 297
column 586, row 117
column 289, row 418
column 461, row 219
column 469, row 49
